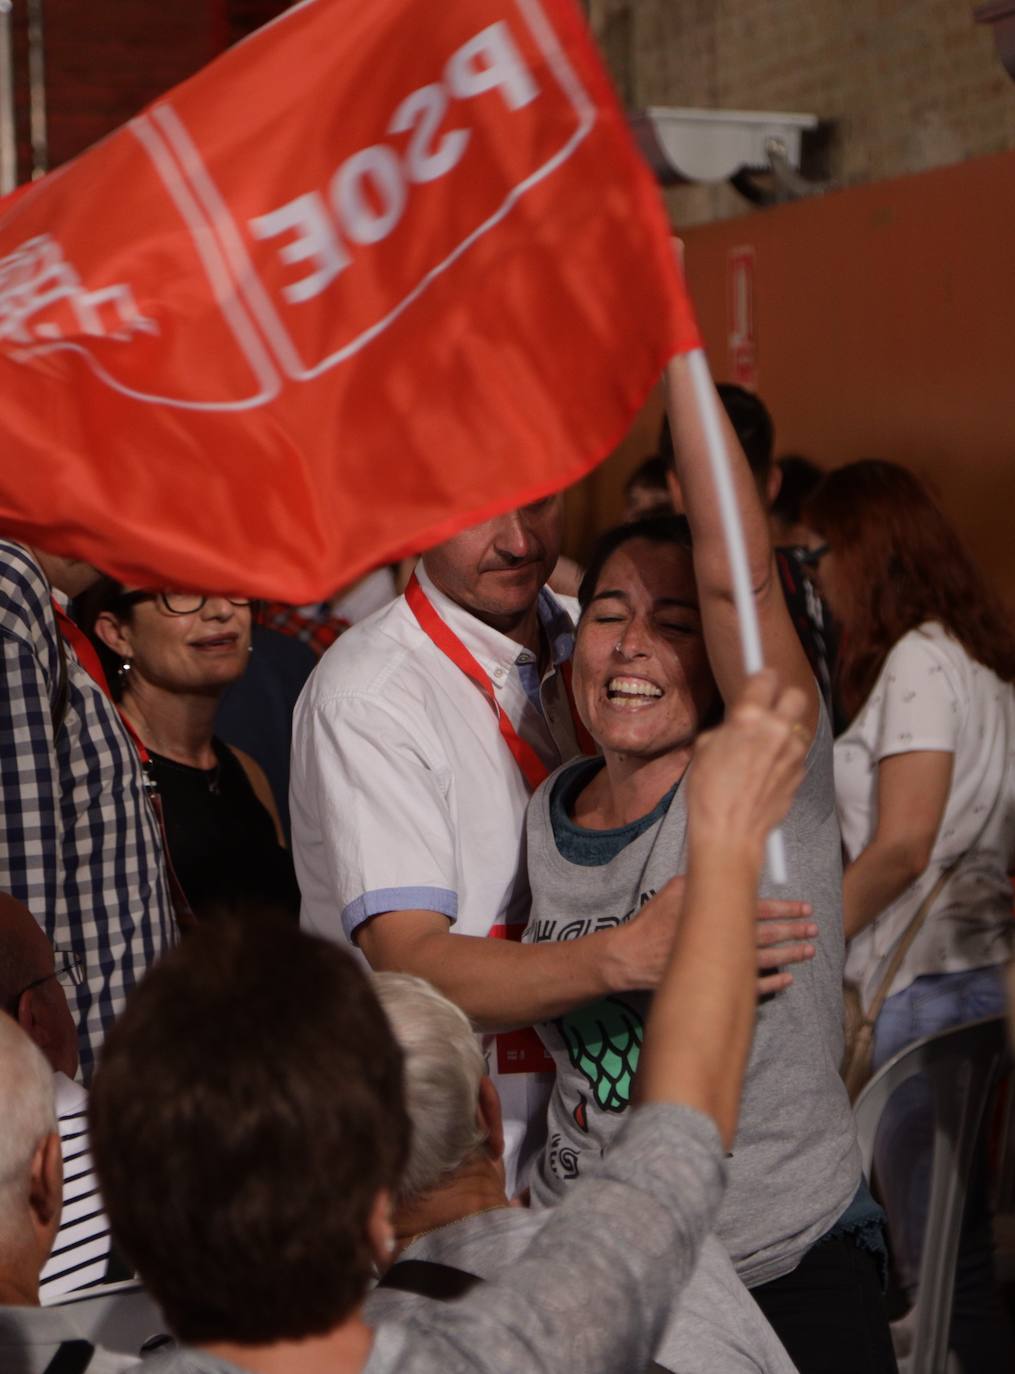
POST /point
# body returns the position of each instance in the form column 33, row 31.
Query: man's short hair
column 20, row 962
column 800, row 480
column 247, row 1110
column 752, row 423
column 29, row 1115
column 444, row 1066
column 651, row 475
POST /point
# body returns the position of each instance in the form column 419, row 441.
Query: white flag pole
column 736, row 551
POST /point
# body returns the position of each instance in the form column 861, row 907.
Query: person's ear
column 381, row 1230
column 676, row 495
column 773, row 484
column 45, row 1189
column 114, row 633
column 32, row 1017
column 490, row 1117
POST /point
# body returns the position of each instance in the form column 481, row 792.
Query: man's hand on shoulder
column 638, row 950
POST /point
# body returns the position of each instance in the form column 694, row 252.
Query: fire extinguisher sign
column 743, row 350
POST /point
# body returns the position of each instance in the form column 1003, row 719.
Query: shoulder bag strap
column 443, row 1282
column 911, row 932
column 73, row 1357
column 429, row 1279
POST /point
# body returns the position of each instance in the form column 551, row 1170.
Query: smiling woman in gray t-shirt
column 657, row 652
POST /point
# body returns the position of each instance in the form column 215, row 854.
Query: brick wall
column 106, row 59
column 910, row 84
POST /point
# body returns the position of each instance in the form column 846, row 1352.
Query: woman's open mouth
column 632, row 692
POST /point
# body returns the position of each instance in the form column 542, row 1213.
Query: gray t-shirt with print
column 717, row 1325
column 795, row 1165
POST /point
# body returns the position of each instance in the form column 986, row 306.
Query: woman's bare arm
column 912, row 794
column 780, row 643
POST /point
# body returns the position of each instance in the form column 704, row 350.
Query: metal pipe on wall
column 8, row 130
column 37, row 90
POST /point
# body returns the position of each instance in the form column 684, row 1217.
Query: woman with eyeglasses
column 926, row 797
column 169, row 656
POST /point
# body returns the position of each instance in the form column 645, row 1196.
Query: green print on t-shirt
column 604, row 1041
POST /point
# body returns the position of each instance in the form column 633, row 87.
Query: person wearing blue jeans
column 926, row 801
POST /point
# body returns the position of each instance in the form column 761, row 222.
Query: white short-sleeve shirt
column 931, row 695
column 404, row 794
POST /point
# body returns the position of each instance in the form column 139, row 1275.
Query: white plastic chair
column 963, row 1066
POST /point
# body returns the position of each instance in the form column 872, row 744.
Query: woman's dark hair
column 657, row 529
column 902, row 564
column 103, row 595
column 247, row 1110
column 108, row 595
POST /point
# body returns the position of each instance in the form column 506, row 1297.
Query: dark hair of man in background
column 651, row 475
column 800, row 480
column 241, row 1199
column 755, row 431
column 750, row 418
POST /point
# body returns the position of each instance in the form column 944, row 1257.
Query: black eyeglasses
column 812, row 557
column 176, row 603
column 70, row 975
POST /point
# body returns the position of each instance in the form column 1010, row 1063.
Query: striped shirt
column 81, row 1251
column 79, row 842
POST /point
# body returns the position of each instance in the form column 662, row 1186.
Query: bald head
column 30, row 1171
column 26, row 958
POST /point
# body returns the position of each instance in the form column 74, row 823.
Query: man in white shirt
column 417, row 743
column 413, row 763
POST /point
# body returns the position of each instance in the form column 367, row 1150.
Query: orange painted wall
column 885, row 326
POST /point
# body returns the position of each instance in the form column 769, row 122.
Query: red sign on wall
column 743, row 355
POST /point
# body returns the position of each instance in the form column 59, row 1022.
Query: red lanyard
column 534, row 770
column 92, row 664
column 82, row 646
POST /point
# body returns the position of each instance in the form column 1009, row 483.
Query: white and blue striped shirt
column 82, row 1252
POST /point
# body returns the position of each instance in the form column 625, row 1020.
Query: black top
column 221, row 839
column 256, row 711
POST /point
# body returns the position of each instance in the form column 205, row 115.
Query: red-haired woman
column 926, row 798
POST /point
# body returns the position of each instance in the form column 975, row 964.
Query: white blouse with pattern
column 930, row 695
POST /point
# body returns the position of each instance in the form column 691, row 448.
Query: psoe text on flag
column 396, row 241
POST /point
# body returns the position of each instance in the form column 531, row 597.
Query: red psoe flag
column 377, row 273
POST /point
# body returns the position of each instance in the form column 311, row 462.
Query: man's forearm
column 502, row 984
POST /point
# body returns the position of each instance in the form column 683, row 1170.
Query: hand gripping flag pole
column 736, row 551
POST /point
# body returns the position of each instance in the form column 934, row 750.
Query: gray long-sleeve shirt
column 716, row 1325
column 594, row 1288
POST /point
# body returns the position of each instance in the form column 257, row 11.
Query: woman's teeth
column 631, row 687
